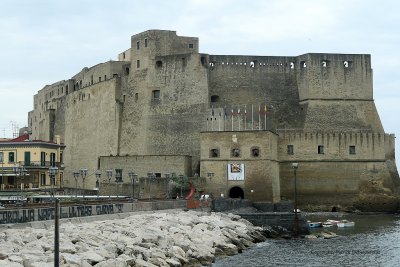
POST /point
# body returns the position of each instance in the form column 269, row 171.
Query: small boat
column 345, row 223
column 314, row 224
column 330, row 223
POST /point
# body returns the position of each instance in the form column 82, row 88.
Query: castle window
column 214, row 153
column 91, row 79
column 291, row 65
column 290, row 150
column 137, row 63
column 156, row 95
column 105, row 77
column 126, row 70
column 324, row 64
column 1, row 156
column 214, row 98
column 190, row 45
column 352, row 150
column 252, row 64
column 159, row 64
column 99, row 79
column 136, row 97
column 255, row 152
column 235, row 153
column 346, row 64
column 66, row 89
column 123, row 55
column 145, row 42
column 80, row 84
column 138, row 45
column 321, row 150
column 303, row 64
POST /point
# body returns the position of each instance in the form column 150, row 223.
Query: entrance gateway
column 236, row 192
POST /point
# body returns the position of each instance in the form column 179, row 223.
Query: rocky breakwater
column 173, row 238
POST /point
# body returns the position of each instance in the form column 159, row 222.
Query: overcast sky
column 44, row 41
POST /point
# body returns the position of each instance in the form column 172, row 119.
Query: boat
column 345, row 223
column 330, row 223
column 314, row 224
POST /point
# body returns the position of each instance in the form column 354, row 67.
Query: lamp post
column 151, row 176
column 98, row 176
column 19, row 171
column 133, row 176
column 167, row 176
column 109, row 174
column 52, row 174
column 83, row 173
column 76, row 175
column 181, row 182
column 295, row 166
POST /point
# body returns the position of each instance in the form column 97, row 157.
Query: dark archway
column 236, row 192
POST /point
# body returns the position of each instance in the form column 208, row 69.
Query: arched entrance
column 236, row 192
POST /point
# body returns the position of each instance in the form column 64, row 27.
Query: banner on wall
column 235, row 171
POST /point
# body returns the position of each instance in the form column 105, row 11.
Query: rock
column 142, row 263
column 310, row 237
column 173, row 262
column 91, row 257
column 7, row 263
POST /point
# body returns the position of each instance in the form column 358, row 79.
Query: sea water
column 373, row 241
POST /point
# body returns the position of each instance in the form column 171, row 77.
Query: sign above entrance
column 235, row 171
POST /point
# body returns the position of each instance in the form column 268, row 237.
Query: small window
column 303, row 64
column 137, row 63
column 126, row 71
column 190, row 45
column 235, row 152
column 136, row 97
column 255, row 152
column 42, row 179
column 118, row 175
column 138, row 45
column 145, row 42
column 99, row 79
column 214, row 98
column 290, row 150
column 11, row 157
column 1, row 157
column 352, row 150
column 214, row 153
column 159, row 64
column 321, row 150
column 156, row 95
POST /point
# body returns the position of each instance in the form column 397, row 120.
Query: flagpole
column 232, row 118
column 259, row 117
column 245, row 117
column 252, row 118
column 239, row 117
column 265, row 116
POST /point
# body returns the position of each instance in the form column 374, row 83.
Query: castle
column 240, row 121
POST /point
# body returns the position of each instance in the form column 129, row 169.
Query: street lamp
column 181, row 180
column 118, row 179
column 83, row 173
column 19, row 171
column 151, row 177
column 167, row 176
column 76, row 175
column 295, row 166
column 133, row 176
column 109, row 174
column 52, row 174
column 98, row 176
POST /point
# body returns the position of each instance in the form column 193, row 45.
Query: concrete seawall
column 39, row 216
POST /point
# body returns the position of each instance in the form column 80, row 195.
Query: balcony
column 41, row 164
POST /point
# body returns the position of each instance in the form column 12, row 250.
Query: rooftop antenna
column 15, row 129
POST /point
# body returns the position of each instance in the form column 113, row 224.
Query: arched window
column 214, row 153
column 255, row 152
column 235, row 153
